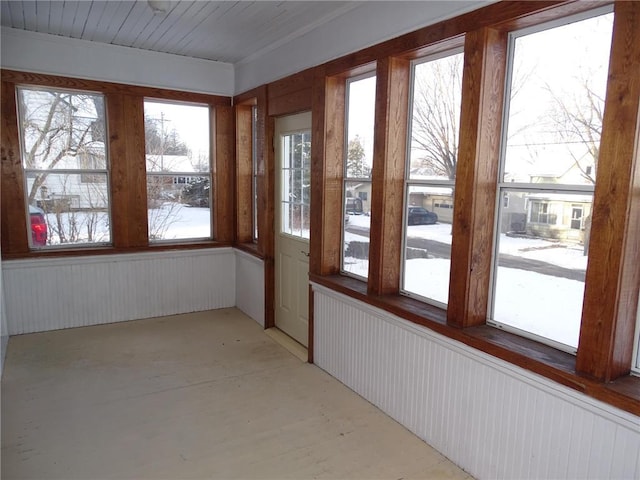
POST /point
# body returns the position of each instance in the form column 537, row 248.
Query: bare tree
column 436, row 112
column 577, row 119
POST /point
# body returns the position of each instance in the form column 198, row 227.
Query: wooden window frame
column 601, row 368
column 125, row 127
column 348, row 80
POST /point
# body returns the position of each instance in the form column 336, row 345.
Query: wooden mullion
column 476, row 176
column 14, row 221
column 222, row 125
column 327, row 160
column 125, row 119
column 244, row 173
column 387, row 188
column 606, row 340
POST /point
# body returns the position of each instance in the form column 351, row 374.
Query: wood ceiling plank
column 187, row 22
column 42, row 18
column 29, row 15
column 5, row 13
column 80, row 20
column 194, row 35
column 140, row 16
column 110, row 21
column 93, row 20
column 56, row 10
column 165, row 26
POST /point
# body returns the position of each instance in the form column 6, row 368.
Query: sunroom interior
column 435, row 203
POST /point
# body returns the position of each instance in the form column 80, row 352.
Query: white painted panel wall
column 49, row 294
column 70, row 57
column 361, row 27
column 250, row 285
column 495, row 420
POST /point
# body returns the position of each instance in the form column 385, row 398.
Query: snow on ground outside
column 556, row 253
column 188, row 222
column 558, row 301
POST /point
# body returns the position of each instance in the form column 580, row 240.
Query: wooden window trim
column 605, row 348
column 125, row 119
column 244, row 173
column 387, row 186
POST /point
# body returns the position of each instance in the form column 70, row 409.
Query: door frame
column 291, row 319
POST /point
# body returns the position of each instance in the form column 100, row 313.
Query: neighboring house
column 556, row 215
column 434, row 199
column 64, row 191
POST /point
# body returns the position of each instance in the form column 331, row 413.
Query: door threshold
column 289, row 343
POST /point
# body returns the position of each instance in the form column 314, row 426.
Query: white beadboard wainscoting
column 493, row 419
column 250, row 285
column 53, row 293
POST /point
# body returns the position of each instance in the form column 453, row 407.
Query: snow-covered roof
column 170, row 163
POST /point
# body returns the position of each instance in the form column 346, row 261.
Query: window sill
column 89, row 251
column 250, row 248
column 623, row 393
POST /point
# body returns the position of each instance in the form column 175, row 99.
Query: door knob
column 304, row 253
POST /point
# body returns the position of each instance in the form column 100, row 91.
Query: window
column 296, row 184
column 254, row 170
column 541, row 213
column 361, row 94
column 66, row 167
column 430, row 176
column 178, row 171
column 557, row 80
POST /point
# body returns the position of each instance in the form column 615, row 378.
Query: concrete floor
column 203, row 395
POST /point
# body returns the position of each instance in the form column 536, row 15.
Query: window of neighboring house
column 430, row 176
column 65, row 161
column 576, row 217
column 358, row 163
column 541, row 212
column 254, row 170
column 553, row 118
column 179, row 196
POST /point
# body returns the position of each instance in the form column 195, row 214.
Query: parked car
column 38, row 227
column 353, row 206
column 421, row 216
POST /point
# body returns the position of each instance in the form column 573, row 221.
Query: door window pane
column 296, row 184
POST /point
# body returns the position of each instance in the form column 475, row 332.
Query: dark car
column 38, row 227
column 421, row 216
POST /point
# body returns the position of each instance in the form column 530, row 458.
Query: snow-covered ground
column 182, row 222
column 558, row 301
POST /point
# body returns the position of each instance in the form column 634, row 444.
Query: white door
column 293, row 194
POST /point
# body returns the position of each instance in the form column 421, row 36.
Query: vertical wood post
column 476, row 176
column 387, row 188
column 327, row 158
column 613, row 273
